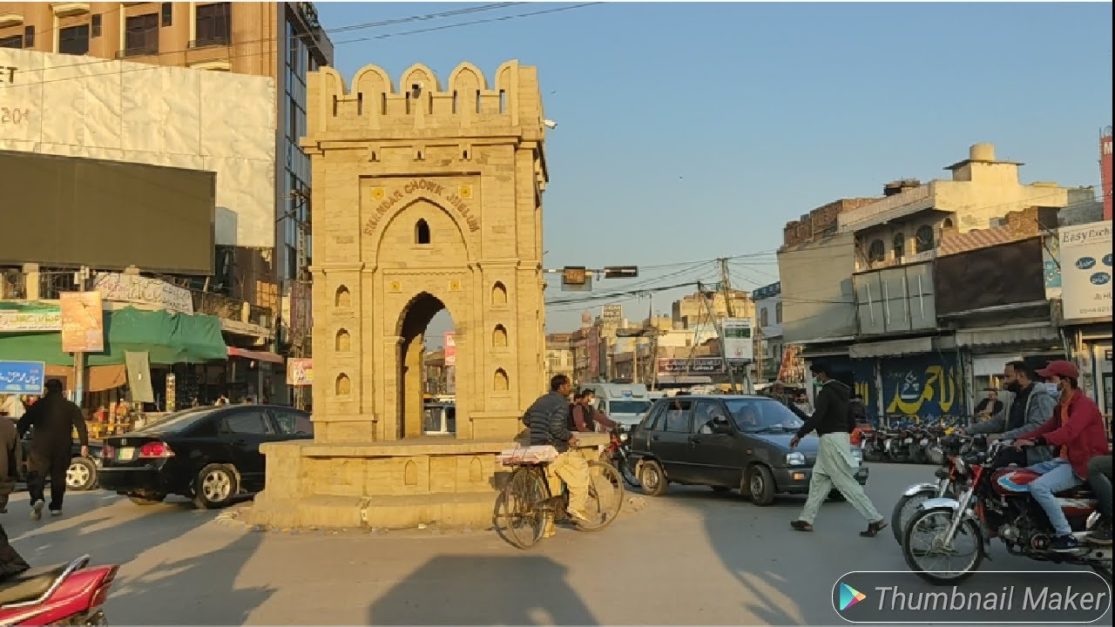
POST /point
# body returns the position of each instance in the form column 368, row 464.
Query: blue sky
column 693, row 131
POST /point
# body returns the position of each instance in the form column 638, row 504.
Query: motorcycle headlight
column 795, row 459
column 623, row 437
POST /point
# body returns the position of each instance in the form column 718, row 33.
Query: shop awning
column 1008, row 336
column 892, row 348
column 167, row 337
column 256, row 355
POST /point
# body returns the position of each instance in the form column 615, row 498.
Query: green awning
column 169, row 338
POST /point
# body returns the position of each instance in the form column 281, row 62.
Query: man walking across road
column 835, row 466
column 54, row 419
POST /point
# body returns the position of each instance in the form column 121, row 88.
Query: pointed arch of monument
column 421, row 73
column 453, row 215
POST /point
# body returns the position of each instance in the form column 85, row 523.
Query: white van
column 623, row 402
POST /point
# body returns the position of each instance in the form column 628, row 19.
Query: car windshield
column 178, row 421
column 753, row 415
column 628, row 407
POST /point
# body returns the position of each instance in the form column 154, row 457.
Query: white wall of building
column 216, row 121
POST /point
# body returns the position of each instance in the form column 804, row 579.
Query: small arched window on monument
column 899, row 246
column 343, row 298
column 499, row 294
column 422, row 232
column 343, row 342
column 499, row 337
column 343, row 386
column 500, row 382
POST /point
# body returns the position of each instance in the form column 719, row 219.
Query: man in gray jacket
column 548, row 419
column 1029, row 407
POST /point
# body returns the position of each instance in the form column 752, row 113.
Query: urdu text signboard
column 738, row 345
column 300, row 371
column 22, row 377
column 83, row 328
column 17, row 321
column 1086, row 270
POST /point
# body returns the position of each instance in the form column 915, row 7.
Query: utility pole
column 726, row 289
column 720, row 333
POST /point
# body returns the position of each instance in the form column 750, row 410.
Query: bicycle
column 525, row 507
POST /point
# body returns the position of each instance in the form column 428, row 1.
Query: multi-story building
column 559, row 355
column 706, row 309
column 282, row 41
column 893, row 291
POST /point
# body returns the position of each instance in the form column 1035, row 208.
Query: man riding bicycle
column 548, row 419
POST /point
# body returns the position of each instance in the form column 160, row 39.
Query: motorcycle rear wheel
column 935, row 521
column 903, row 511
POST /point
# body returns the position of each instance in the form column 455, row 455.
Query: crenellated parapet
column 375, row 107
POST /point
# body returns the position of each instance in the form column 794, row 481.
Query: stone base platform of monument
column 387, row 485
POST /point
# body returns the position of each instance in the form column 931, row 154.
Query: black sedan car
column 209, row 454
column 725, row 442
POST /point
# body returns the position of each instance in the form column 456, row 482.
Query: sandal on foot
column 801, row 525
column 874, row 528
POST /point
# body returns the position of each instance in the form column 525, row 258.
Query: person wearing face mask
column 1028, row 408
column 1076, row 430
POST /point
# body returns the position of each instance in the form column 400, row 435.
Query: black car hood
column 808, row 444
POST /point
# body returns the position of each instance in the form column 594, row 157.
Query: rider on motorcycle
column 1076, row 429
column 585, row 416
column 1099, row 477
column 1027, row 410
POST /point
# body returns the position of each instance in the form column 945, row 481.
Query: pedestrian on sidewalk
column 835, row 466
column 54, row 419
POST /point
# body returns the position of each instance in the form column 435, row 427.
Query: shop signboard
column 738, row 345
column 450, row 349
column 1086, row 271
column 697, row 365
column 82, row 322
column 22, row 377
column 130, row 288
column 24, row 321
column 300, row 371
column 927, row 386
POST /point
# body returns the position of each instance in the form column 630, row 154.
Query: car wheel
column 146, row 498
column 652, row 478
column 760, row 485
column 81, row 475
column 215, row 486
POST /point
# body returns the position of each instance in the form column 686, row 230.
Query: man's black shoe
column 1065, row 544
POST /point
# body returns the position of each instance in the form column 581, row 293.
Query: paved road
column 692, row 557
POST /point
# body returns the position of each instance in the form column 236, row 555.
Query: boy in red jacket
column 1076, row 430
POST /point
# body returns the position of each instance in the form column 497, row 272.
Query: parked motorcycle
column 946, row 485
column 618, row 454
column 945, row 541
column 70, row 594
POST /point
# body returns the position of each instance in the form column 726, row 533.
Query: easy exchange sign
column 22, row 377
column 1086, row 271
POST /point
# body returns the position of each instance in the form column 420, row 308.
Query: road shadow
column 734, row 525
column 202, row 587
column 483, row 590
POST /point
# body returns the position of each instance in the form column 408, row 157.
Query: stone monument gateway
column 427, row 196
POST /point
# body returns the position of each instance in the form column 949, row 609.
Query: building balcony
column 896, row 300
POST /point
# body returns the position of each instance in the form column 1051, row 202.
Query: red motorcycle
column 71, row 594
column 618, row 454
column 945, row 541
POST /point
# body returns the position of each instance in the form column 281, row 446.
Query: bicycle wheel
column 605, row 496
column 519, row 517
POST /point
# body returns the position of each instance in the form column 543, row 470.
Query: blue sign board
column 22, row 377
